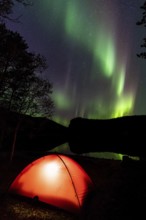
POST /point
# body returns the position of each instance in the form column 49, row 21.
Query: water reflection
column 65, row 149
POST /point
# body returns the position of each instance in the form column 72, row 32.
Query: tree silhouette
column 6, row 8
column 22, row 87
column 143, row 22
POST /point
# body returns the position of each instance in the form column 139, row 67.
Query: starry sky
column 90, row 47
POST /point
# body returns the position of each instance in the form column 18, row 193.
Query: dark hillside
column 32, row 133
column 125, row 135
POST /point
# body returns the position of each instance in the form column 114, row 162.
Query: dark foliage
column 143, row 23
column 6, row 8
column 22, row 87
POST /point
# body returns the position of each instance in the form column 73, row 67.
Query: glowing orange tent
column 54, row 179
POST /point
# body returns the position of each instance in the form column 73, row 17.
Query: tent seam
column 71, row 179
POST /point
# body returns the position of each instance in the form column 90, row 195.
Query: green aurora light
column 97, row 35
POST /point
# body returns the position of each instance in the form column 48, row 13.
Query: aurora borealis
column 91, row 49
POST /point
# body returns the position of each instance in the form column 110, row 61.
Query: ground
column 119, row 191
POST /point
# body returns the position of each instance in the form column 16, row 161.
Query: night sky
column 90, row 47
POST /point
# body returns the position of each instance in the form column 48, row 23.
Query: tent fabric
column 54, row 179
